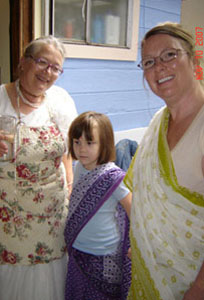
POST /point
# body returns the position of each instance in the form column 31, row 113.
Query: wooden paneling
column 21, row 30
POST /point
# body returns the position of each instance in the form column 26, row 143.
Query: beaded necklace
column 34, row 105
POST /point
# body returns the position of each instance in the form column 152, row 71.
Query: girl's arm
column 126, row 203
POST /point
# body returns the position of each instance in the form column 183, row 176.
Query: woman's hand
column 69, row 186
column 3, row 146
column 194, row 293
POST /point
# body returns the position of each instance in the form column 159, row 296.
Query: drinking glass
column 7, row 135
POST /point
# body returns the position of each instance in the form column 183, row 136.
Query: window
column 100, row 29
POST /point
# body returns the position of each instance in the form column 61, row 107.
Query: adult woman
column 166, row 175
column 33, row 204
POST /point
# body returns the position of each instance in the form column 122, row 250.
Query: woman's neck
column 187, row 105
column 27, row 93
column 28, row 98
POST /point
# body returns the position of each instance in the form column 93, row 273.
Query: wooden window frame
column 98, row 52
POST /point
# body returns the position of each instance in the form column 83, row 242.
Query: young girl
column 96, row 232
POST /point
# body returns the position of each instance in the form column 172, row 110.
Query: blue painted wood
column 172, row 6
column 153, row 15
column 116, row 88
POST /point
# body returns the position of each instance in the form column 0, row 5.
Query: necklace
column 34, row 105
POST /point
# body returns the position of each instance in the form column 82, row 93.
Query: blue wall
column 116, row 87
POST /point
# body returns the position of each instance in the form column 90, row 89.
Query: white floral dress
column 33, row 202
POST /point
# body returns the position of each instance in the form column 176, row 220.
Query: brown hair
column 85, row 123
column 175, row 30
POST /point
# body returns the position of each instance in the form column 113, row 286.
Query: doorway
column 21, row 31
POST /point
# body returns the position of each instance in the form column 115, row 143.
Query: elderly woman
column 34, row 185
column 167, row 174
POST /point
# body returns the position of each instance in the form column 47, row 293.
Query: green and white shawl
column 167, row 221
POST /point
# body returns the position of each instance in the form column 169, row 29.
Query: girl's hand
column 129, row 253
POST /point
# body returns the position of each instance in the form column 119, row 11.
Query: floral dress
column 33, row 203
column 34, row 214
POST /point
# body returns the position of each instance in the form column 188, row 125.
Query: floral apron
column 33, row 205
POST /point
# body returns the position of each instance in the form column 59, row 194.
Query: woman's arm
column 196, row 292
column 67, row 160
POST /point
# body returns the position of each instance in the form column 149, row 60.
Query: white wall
column 4, row 41
column 192, row 16
column 135, row 134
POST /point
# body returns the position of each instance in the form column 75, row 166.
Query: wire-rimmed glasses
column 166, row 56
column 43, row 64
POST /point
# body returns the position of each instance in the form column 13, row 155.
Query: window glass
column 109, row 22
column 68, row 20
column 92, row 29
column 91, row 21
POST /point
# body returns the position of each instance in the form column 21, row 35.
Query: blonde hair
column 175, row 30
column 85, row 123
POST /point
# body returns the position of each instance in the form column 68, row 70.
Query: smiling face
column 168, row 80
column 87, row 152
column 34, row 79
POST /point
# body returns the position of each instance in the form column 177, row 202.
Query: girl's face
column 87, row 152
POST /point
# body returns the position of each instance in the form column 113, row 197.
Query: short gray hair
column 34, row 46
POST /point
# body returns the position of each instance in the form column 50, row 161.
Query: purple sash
column 90, row 276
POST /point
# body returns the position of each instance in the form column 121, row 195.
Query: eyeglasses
column 43, row 64
column 166, row 56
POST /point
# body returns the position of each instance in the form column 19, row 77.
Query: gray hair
column 34, row 46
